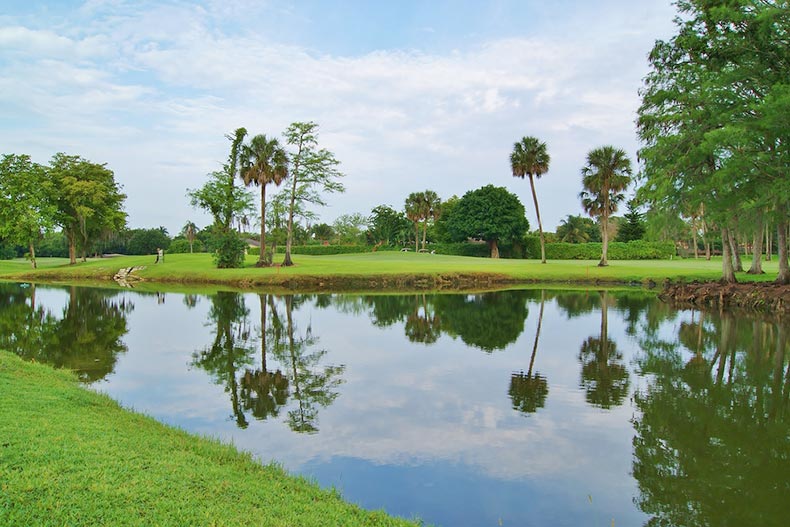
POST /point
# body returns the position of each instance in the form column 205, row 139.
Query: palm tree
column 573, row 229
column 530, row 158
column 413, row 207
column 190, row 231
column 604, row 178
column 264, row 162
column 429, row 206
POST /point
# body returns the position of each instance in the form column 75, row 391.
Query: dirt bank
column 763, row 296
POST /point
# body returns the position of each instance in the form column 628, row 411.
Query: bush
column 532, row 246
column 479, row 250
column 180, row 246
column 228, row 250
column 633, row 250
column 318, row 250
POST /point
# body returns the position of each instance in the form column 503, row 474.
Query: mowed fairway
column 199, row 268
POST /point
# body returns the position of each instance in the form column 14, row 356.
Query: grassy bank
column 69, row 456
column 370, row 271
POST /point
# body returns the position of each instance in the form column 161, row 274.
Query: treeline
column 715, row 132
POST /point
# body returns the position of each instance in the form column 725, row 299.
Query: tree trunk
column 537, row 333
column 768, row 243
column 736, row 256
column 605, row 239
column 540, row 225
column 424, row 232
column 262, row 298
column 757, row 248
column 262, row 256
column 289, row 241
column 416, row 236
column 494, row 248
column 694, row 239
column 727, row 272
column 32, row 255
column 784, row 271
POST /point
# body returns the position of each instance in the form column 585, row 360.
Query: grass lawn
column 69, row 456
column 310, row 270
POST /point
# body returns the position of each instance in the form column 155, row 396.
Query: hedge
column 634, row 250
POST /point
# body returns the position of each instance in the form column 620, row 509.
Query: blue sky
column 409, row 95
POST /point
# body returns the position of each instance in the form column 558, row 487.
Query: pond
column 521, row 407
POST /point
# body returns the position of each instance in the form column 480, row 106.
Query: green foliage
column 147, row 241
column 480, row 250
column 322, row 232
column 489, row 213
column 317, row 250
column 388, row 226
column 578, row 229
column 350, row 228
column 635, row 250
column 633, row 228
column 228, row 249
column 53, row 244
column 181, row 245
column 26, row 201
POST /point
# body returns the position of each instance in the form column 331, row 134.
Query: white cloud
column 399, row 120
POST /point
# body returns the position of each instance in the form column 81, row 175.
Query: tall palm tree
column 429, row 208
column 604, row 178
column 530, row 158
column 190, row 232
column 264, row 162
column 414, row 211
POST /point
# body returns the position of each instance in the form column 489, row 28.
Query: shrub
column 633, row 250
column 180, row 245
column 228, row 250
column 317, row 250
column 480, row 250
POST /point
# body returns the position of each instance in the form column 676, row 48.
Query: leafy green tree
column 713, row 116
column 27, row 209
column 530, row 157
column 264, row 162
column 578, row 229
column 323, row 232
column 220, row 197
column 147, row 241
column 313, row 173
column 633, row 228
column 388, row 226
column 604, row 178
column 489, row 213
column 88, row 200
column 349, row 228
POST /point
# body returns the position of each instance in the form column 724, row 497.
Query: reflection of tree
column 528, row 392
column 488, row 321
column 86, row 339
column 190, row 300
column 714, row 450
column 604, row 377
column 423, row 324
column 230, row 350
column 264, row 392
column 313, row 385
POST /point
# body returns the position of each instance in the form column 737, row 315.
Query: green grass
column 69, row 456
column 311, row 271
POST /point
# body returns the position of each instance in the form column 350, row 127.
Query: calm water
column 509, row 408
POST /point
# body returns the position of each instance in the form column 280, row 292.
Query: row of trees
column 80, row 197
column 714, row 125
column 311, row 172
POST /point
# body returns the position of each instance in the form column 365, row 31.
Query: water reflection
column 604, row 377
column 528, row 391
column 307, row 384
column 712, row 444
column 86, row 337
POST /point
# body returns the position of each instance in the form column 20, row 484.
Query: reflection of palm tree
column 604, row 377
column 528, row 392
column 422, row 326
column 264, row 392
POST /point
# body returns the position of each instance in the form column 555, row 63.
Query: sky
column 409, row 95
